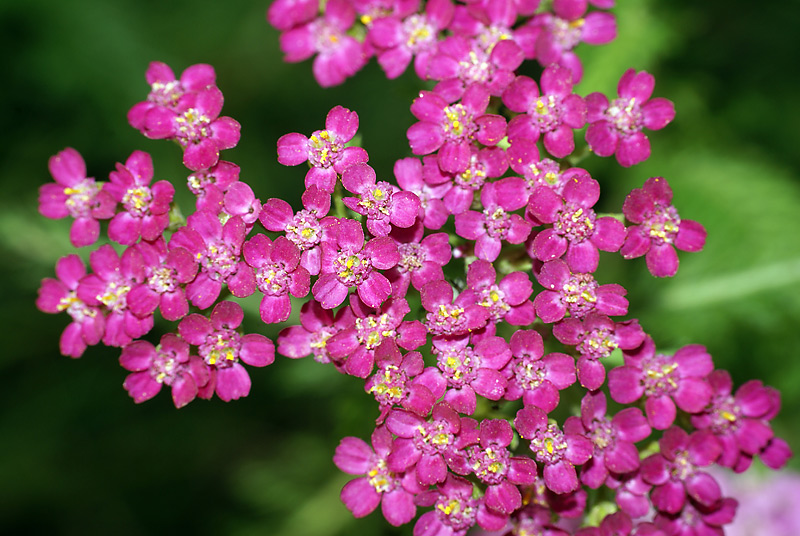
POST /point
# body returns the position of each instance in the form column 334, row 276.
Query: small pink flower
column 59, row 295
column 552, row 114
column 448, row 317
column 168, row 364
column 325, row 150
column 616, row 127
column 659, row 228
column 379, row 485
column 420, row 263
column 383, row 204
column 75, row 195
column 507, row 300
column 317, row 325
column 145, row 211
column 167, row 92
column 222, row 348
column 348, row 261
column 197, row 127
column 218, row 250
column 665, row 381
column 338, row 55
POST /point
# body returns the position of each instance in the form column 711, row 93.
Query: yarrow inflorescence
column 463, row 289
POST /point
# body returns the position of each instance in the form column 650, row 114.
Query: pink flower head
column 338, row 55
column 145, row 211
column 221, row 347
column 535, row 377
column 210, row 185
column 455, row 510
column 113, row 278
column 448, row 317
column 399, row 40
column 304, row 229
column 75, row 195
column 552, row 114
column 317, row 325
column 471, row 371
column 576, row 231
column 167, row 92
column 325, row 150
column 493, row 464
column 168, row 364
column 379, row 485
column 484, row 164
column 401, row 381
column 740, row 420
column 348, row 261
column 423, row 445
column 560, row 32
column 613, row 438
column 239, row 200
column 461, row 63
column 665, row 381
column 576, row 293
column 218, row 250
column 196, row 125
column 451, row 128
column 507, row 300
column 383, row 204
column 59, row 295
column 278, row 273
column 616, row 127
column 367, row 330
column 495, row 224
column 524, row 159
column 659, row 228
column 675, row 470
column 557, row 451
column 165, row 274
column 595, row 338
column 420, row 263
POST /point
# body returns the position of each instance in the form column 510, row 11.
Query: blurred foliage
column 81, row 458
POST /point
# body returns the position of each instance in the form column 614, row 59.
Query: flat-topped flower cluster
column 462, row 291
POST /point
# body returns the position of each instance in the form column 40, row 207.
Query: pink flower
column 222, row 348
column 113, row 278
column 616, row 127
column 420, row 262
column 168, row 364
column 167, row 92
column 165, row 273
column 304, row 229
column 414, row 37
column 579, row 294
column 325, row 150
column 613, row 438
column 454, row 510
column 348, row 261
column 448, row 317
column 595, row 338
column 59, row 295
column 338, row 55
column 451, row 128
column 535, row 377
column 383, row 204
column 505, row 301
column 495, row 224
column 660, row 229
column 393, row 491
column 196, row 125
column 317, row 325
column 75, row 195
column 553, row 114
column 278, row 273
column 210, row 185
column 145, row 211
column 557, row 451
column 665, row 381
column 410, row 177
column 218, row 249
column 576, row 231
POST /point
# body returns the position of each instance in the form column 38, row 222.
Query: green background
column 78, row 457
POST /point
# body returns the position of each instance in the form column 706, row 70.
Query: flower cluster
column 439, row 289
